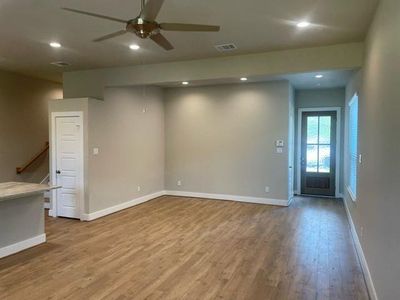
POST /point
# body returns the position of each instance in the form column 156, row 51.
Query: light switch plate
column 280, row 143
column 279, row 150
column 96, row 151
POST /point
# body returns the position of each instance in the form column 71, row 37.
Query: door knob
column 58, row 172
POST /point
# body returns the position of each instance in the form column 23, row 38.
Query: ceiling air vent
column 226, row 47
column 61, row 64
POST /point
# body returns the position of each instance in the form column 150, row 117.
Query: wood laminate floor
column 185, row 248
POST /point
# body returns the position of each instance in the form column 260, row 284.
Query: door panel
column 318, row 153
column 69, row 166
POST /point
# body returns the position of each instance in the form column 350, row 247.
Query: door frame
column 53, row 161
column 338, row 111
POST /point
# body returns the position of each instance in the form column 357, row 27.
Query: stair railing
column 20, row 170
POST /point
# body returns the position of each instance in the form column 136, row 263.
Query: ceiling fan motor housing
column 143, row 28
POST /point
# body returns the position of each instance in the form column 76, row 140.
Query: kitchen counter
column 12, row 190
column 21, row 216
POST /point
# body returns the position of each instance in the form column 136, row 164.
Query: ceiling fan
column 145, row 26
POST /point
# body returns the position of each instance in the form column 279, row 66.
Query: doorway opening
column 67, row 164
column 318, row 151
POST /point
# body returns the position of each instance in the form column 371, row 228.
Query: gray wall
column 221, row 139
column 334, row 97
column 131, row 144
column 376, row 211
column 23, row 124
column 128, row 129
column 82, row 105
column 21, row 219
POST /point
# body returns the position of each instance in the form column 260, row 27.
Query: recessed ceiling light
column 55, row 45
column 319, row 76
column 243, row 79
column 134, row 47
column 185, row 82
column 303, row 24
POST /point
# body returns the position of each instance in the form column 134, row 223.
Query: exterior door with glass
column 318, row 153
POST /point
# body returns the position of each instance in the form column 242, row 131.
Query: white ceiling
column 331, row 79
column 27, row 26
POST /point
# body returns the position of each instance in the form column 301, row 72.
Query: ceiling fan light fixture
column 243, row 79
column 185, row 82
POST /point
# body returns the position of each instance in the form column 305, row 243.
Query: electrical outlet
column 179, row 183
column 267, row 189
column 144, row 110
column 139, row 188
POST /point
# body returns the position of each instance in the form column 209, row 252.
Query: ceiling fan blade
column 162, row 41
column 110, row 36
column 188, row 27
column 94, row 15
column 151, row 9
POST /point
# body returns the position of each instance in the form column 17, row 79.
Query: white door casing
column 291, row 155
column 67, row 164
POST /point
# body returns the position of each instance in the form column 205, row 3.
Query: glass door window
column 318, row 144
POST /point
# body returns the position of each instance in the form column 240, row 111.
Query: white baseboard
column 118, row 207
column 247, row 199
column 339, row 195
column 25, row 244
column 125, row 205
column 361, row 256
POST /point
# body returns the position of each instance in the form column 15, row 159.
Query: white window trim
column 338, row 111
column 352, row 196
column 353, row 99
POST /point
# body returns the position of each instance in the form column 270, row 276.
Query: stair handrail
column 20, row 170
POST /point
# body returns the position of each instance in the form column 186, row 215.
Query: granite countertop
column 12, row 190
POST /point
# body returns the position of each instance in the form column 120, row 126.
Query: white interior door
column 68, row 165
